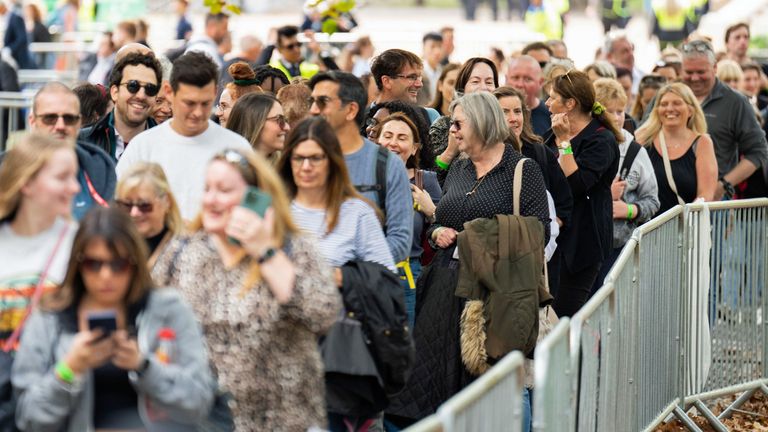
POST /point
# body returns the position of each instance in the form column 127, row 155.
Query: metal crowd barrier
column 680, row 313
column 12, row 109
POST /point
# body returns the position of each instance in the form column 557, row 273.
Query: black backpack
column 374, row 295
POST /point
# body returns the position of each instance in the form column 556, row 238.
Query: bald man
column 524, row 74
column 132, row 47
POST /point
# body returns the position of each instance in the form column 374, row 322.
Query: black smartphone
column 104, row 320
column 256, row 200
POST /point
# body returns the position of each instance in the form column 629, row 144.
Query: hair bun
column 241, row 71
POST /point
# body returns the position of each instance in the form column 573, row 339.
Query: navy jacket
column 16, row 39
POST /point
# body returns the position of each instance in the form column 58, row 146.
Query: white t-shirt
column 22, row 260
column 184, row 159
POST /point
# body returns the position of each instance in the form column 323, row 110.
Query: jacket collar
column 718, row 91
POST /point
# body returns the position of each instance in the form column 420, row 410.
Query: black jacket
column 99, row 167
column 102, row 133
column 588, row 238
column 554, row 179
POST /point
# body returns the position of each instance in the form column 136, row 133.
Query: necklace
column 477, row 184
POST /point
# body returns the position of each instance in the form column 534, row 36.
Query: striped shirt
column 358, row 234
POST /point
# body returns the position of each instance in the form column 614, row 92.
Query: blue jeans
column 526, row 410
column 410, row 294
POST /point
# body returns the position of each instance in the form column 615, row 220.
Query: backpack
column 374, row 295
column 629, row 158
column 380, row 187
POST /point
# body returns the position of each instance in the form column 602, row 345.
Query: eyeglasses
column 698, row 46
column 371, row 122
column 292, row 46
column 94, row 265
column 321, row 101
column 456, row 124
column 280, row 119
column 314, row 160
column 653, row 79
column 143, row 206
column 412, row 78
column 133, row 87
column 52, row 119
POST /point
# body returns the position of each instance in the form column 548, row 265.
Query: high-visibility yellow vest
column 307, row 70
column 670, row 21
column 541, row 21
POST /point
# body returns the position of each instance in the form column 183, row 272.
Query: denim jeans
column 410, row 294
column 527, row 412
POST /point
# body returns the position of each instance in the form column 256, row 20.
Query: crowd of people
column 285, row 242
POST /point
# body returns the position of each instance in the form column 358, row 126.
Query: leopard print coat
column 265, row 354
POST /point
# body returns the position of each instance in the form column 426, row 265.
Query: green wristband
column 566, row 151
column 629, row 211
column 64, row 372
column 440, row 164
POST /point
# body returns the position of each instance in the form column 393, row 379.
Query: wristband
column 440, row 164
column 629, row 211
column 267, row 255
column 64, row 372
column 566, row 151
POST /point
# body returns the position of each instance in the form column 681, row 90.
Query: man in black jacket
column 56, row 111
column 133, row 86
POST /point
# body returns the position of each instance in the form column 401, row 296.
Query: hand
column 311, row 42
column 88, row 352
column 719, row 191
column 126, row 354
column 338, row 276
column 423, row 200
column 617, row 188
column 272, row 36
column 450, row 152
column 254, row 233
column 619, row 209
column 561, row 126
column 445, row 237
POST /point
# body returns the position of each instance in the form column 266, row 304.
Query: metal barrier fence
column 680, row 312
column 12, row 109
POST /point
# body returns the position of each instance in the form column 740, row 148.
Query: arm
column 751, row 141
column 597, row 155
column 399, row 209
column 706, row 169
column 560, row 190
column 370, row 240
column 44, row 401
column 187, row 383
column 265, row 56
column 647, row 201
column 316, row 302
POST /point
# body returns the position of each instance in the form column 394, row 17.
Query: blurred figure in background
column 184, row 27
column 94, row 102
column 446, row 83
column 243, row 82
column 295, row 101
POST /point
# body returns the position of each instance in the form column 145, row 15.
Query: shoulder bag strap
column 517, row 185
column 632, row 150
column 11, row 341
column 418, row 178
column 668, row 167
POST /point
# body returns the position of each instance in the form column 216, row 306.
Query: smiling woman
column 259, row 118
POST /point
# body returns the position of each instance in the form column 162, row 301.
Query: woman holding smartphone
column 123, row 370
column 262, row 293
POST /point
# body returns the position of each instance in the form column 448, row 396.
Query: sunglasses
column 653, row 79
column 456, row 124
column 292, row 46
column 52, row 119
column 133, row 87
column 94, row 265
column 321, row 101
column 143, row 206
column 698, row 46
column 280, row 119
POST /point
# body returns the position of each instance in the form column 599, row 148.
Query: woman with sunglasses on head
column 143, row 192
column 586, row 139
column 262, row 293
column 107, row 351
column 244, row 82
column 676, row 130
column 38, row 180
column 478, row 187
column 259, row 118
column 476, row 74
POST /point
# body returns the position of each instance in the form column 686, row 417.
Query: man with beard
column 133, row 86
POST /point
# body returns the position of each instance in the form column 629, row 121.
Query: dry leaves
column 751, row 416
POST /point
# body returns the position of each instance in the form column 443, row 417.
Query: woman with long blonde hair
column 38, row 180
column 262, row 293
column 680, row 149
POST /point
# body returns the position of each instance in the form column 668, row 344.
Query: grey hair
column 603, row 69
column 611, row 38
column 167, row 66
column 568, row 64
column 484, row 113
column 699, row 48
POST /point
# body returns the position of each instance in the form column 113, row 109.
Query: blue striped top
column 358, row 234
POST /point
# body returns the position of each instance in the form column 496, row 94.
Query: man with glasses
column 133, row 86
column 184, row 145
column 291, row 62
column 740, row 144
column 340, row 98
column 398, row 76
column 56, row 112
column 524, row 74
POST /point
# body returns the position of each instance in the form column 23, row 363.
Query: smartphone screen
column 104, row 320
column 256, row 200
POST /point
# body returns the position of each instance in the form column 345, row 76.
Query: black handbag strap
column 629, row 158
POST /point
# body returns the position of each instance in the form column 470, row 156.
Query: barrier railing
column 12, row 106
column 680, row 313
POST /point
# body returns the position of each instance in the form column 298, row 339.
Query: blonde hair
column 729, row 70
column 608, row 90
column 697, row 122
column 257, row 171
column 22, row 164
column 152, row 174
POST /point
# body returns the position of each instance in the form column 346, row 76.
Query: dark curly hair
column 135, row 59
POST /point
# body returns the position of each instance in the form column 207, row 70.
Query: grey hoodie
column 182, row 390
column 641, row 190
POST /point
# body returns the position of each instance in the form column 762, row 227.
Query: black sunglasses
column 94, row 265
column 321, row 101
column 52, row 119
column 292, row 45
column 134, row 86
column 143, row 206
